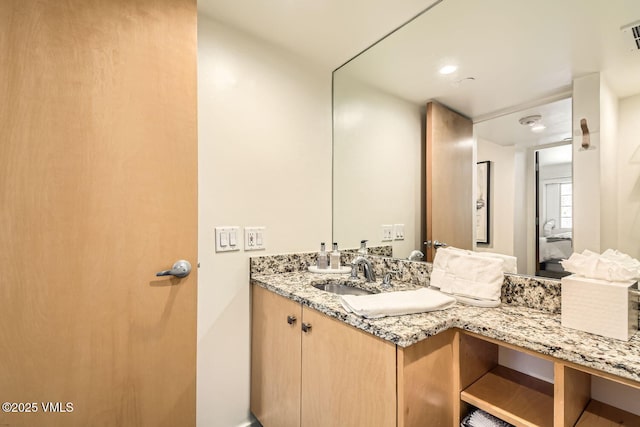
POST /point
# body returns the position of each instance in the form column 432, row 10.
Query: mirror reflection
column 494, row 65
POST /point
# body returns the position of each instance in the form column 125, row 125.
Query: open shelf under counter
column 515, row 397
column 598, row 414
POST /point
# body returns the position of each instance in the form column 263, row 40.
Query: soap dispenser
column 323, row 258
column 334, row 259
column 363, row 247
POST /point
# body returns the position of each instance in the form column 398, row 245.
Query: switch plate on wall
column 387, row 233
column 398, row 231
column 227, row 239
column 254, row 238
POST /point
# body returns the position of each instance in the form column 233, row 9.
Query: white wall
column 522, row 213
column 629, row 176
column 609, row 148
column 378, row 160
column 586, row 165
column 595, row 173
column 502, row 195
column 264, row 126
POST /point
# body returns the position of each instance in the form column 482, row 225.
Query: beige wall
column 629, row 176
column 502, row 193
column 609, row 148
column 586, row 165
column 264, row 160
column 377, row 164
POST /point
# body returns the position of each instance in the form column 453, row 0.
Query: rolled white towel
column 396, row 303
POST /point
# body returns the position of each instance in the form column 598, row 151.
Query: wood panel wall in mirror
column 559, row 62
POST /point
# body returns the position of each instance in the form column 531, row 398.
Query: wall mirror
column 496, row 63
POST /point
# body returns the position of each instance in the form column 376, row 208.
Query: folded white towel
column 612, row 265
column 459, row 272
column 396, row 303
column 476, row 289
column 510, row 262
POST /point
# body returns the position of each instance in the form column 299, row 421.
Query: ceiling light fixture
column 534, row 123
column 531, row 120
column 448, row 69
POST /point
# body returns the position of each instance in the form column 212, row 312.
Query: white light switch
column 398, row 231
column 254, row 238
column 227, row 239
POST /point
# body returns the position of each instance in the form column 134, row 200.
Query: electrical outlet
column 398, row 231
column 254, row 238
column 387, row 233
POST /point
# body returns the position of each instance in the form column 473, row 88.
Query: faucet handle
column 354, row 271
column 386, row 281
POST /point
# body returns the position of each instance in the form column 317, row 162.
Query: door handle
column 435, row 244
column 180, row 268
column 306, row 327
column 291, row 320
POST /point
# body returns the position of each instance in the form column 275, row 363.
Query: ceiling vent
column 632, row 35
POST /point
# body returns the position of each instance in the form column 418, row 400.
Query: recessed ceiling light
column 538, row 128
column 448, row 69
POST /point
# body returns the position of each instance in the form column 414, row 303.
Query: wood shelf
column 599, row 414
column 512, row 396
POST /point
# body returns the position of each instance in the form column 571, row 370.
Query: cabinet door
column 275, row 359
column 348, row 376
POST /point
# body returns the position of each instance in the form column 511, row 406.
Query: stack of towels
column 611, row 265
column 396, row 303
column 480, row 418
column 472, row 277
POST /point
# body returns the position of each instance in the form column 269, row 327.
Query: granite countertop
column 523, row 327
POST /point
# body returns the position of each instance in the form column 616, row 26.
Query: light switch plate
column 387, row 232
column 254, row 238
column 227, row 238
column 398, row 231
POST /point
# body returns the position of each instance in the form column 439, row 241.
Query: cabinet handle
column 306, row 327
column 291, row 320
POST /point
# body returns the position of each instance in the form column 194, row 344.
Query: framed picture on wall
column 482, row 202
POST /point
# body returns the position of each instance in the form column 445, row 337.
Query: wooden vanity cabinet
column 348, row 376
column 523, row 400
column 333, row 374
column 275, row 359
column 426, row 393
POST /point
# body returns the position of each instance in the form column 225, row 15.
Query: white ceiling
column 507, row 130
column 517, row 52
column 328, row 32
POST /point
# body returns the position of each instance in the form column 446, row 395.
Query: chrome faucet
column 415, row 255
column 367, row 268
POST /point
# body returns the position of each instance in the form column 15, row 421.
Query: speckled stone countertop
column 518, row 325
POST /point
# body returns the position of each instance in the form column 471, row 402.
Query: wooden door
column 98, row 191
column 449, row 181
column 275, row 359
column 348, row 376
